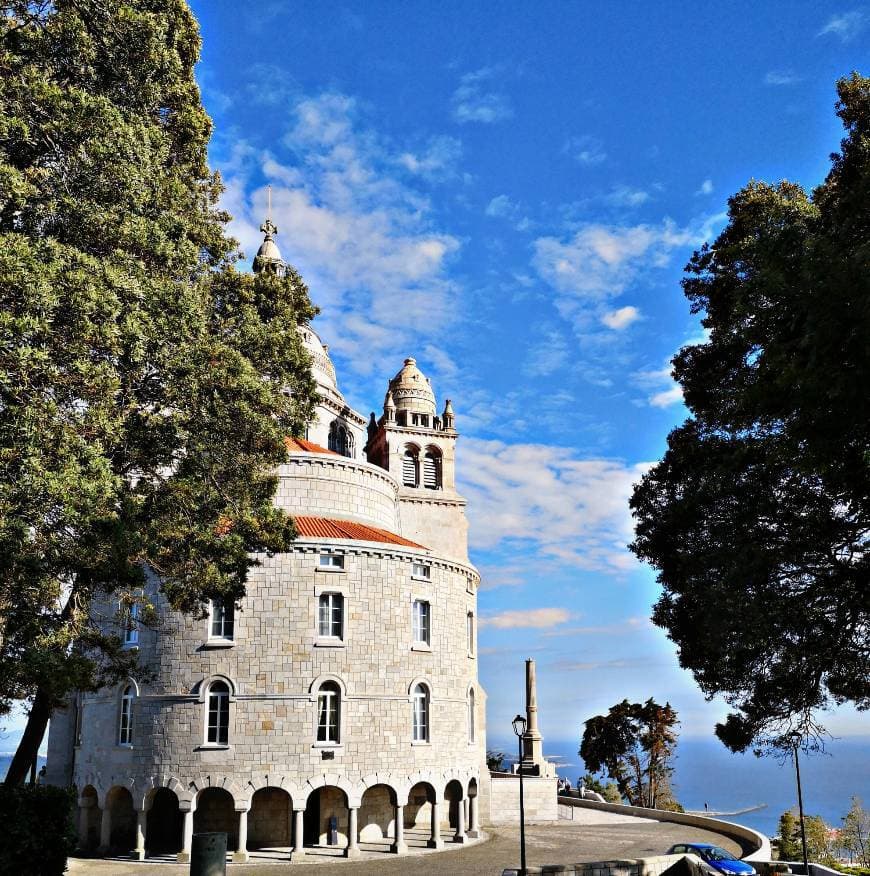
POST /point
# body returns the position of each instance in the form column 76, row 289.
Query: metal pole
column 522, row 812
column 797, row 770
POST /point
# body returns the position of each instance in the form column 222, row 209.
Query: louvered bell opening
column 431, row 473
column 409, row 470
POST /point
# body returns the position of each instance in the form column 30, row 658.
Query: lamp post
column 795, row 741
column 519, row 725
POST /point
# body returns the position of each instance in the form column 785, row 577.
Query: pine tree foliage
column 634, row 744
column 146, row 385
column 757, row 519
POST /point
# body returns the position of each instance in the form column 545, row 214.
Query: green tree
column 789, row 847
column 633, row 744
column 855, row 833
column 757, row 519
column 146, row 385
column 609, row 791
column 495, row 761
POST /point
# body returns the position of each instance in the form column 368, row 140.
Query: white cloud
column 629, row 625
column 360, row 235
column 706, row 188
column 621, row 318
column 548, row 499
column 547, row 355
column 846, row 26
column 667, row 397
column 624, row 196
column 781, row 77
column 585, row 150
column 501, row 206
column 437, row 160
column 474, row 101
column 535, row 618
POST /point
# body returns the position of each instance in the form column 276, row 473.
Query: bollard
column 208, row 854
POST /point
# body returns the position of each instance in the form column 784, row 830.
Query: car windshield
column 714, row 853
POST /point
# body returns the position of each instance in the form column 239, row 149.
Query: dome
column 269, row 251
column 412, row 391
column 322, row 368
column 268, row 255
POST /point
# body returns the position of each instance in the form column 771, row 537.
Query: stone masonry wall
column 539, row 799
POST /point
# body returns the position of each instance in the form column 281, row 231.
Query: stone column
column 474, row 818
column 399, row 846
column 139, row 851
column 187, row 809
column 435, row 841
column 533, row 757
column 298, row 834
column 352, row 850
column 241, row 853
column 459, row 836
column 85, row 804
column 105, row 831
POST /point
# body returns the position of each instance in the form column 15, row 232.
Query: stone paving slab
column 561, row 842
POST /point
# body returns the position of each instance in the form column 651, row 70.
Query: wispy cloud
column 625, row 196
column 532, row 618
column 585, row 149
column 846, row 26
column 599, row 665
column 547, row 353
column 782, row 77
column 706, row 188
column 475, row 100
column 437, row 160
column 629, row 625
column 361, row 235
column 548, row 499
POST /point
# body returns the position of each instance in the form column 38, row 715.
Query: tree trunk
column 28, row 748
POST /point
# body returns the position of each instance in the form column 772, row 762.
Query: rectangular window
column 409, row 470
column 469, row 630
column 421, row 570
column 331, row 561
column 421, row 717
column 421, row 622
column 222, row 620
column 131, row 624
column 327, row 716
column 218, row 718
column 330, row 622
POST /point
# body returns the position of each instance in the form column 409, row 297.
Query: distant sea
column 706, row 772
column 6, row 760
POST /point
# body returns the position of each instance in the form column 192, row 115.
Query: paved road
column 561, row 842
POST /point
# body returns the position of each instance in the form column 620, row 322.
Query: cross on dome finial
column 268, row 227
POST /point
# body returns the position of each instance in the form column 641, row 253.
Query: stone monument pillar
column 533, row 762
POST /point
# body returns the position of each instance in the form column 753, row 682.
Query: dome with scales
column 411, row 390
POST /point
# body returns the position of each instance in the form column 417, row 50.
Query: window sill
column 130, row 646
column 422, row 743
column 219, row 643
column 331, row 570
column 329, row 643
column 422, row 578
column 337, row 747
column 126, row 745
column 421, row 646
column 470, row 656
column 213, row 746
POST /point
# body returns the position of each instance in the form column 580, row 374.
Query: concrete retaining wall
column 746, row 836
column 539, row 799
column 659, row 865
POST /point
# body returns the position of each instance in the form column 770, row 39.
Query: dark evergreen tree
column 758, row 516
column 146, row 385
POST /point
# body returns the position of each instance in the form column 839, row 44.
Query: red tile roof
column 300, row 445
column 326, row 527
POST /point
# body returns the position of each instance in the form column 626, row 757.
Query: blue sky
column 509, row 193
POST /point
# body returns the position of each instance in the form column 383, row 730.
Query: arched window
column 125, row 727
column 469, row 632
column 329, row 712
column 218, row 724
column 432, row 469
column 471, row 715
column 410, row 468
column 421, row 713
column 340, row 439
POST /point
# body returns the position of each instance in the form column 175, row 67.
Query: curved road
column 598, row 837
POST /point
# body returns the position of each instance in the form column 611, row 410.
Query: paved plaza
column 594, row 836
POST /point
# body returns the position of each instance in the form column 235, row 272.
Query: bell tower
column 418, row 448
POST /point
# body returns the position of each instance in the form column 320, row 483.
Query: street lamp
column 519, row 725
column 795, row 742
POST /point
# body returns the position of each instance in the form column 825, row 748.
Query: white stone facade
column 346, row 689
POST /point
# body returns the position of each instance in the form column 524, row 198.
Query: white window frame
column 125, row 719
column 329, row 704
column 328, row 561
column 421, row 623
column 335, row 602
column 421, row 571
column 421, row 711
column 130, row 634
column 221, row 607
column 222, row 703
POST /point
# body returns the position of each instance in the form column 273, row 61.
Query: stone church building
column 338, row 703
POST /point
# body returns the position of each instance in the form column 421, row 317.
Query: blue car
column 716, row 857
